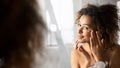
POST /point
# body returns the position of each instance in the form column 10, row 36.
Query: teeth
column 81, row 44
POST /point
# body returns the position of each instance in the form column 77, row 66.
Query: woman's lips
column 80, row 37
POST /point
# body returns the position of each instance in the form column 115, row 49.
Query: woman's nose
column 80, row 30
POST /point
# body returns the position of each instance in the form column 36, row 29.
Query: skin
column 92, row 48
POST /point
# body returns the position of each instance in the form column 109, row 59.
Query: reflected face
column 85, row 26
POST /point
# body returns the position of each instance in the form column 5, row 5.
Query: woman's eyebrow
column 88, row 25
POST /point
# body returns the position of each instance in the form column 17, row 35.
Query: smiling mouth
column 81, row 44
column 80, row 37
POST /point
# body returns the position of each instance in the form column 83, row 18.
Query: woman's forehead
column 85, row 19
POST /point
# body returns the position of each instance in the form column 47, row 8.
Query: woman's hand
column 97, row 46
column 75, row 57
column 79, row 57
column 85, row 56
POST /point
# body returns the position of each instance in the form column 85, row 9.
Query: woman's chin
column 83, row 41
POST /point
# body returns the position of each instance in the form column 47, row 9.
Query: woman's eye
column 79, row 25
column 86, row 28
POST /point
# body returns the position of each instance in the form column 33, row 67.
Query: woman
column 97, row 38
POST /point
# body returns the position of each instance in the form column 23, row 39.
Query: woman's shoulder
column 116, row 48
column 77, row 54
column 115, row 51
column 115, row 57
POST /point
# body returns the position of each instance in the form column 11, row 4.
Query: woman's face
column 85, row 26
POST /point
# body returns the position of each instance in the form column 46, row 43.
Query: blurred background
column 59, row 17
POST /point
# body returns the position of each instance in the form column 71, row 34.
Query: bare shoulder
column 75, row 57
column 116, row 50
column 115, row 59
column 76, row 53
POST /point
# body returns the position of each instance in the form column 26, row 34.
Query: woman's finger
column 93, row 40
column 91, row 43
column 98, row 38
column 76, row 44
column 91, row 46
column 103, row 43
column 85, row 52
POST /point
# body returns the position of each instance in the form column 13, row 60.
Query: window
column 59, row 18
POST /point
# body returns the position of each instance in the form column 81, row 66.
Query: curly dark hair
column 105, row 18
column 21, row 32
